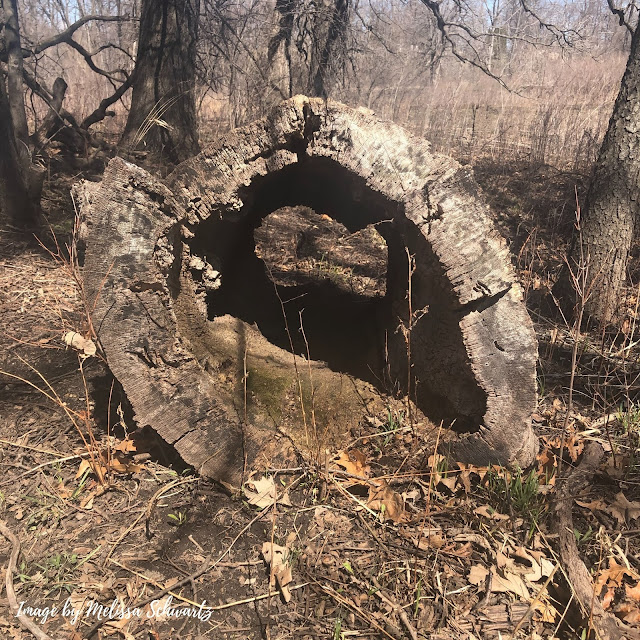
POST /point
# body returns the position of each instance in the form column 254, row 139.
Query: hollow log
column 215, row 352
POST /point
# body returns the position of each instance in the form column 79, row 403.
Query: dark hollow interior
column 342, row 329
column 345, row 330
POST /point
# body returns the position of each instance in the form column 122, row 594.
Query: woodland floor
column 384, row 538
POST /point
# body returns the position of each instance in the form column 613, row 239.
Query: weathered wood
column 157, row 253
column 299, row 246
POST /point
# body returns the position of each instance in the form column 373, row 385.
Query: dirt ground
column 383, row 537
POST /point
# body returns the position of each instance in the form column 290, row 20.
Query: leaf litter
column 386, row 537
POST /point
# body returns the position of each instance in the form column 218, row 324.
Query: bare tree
column 612, row 205
column 329, row 44
column 22, row 175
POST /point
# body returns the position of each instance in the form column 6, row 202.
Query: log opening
column 356, row 334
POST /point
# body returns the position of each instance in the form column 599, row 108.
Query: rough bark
column 279, row 52
column 611, row 207
column 15, row 89
column 157, row 254
column 163, row 113
column 14, row 194
column 20, row 180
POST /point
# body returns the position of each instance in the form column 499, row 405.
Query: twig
column 330, row 591
column 44, row 464
column 24, row 620
column 532, row 604
column 402, row 614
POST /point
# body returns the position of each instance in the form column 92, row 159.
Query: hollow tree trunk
column 182, row 300
column 612, row 204
column 163, row 112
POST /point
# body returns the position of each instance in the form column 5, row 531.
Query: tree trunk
column 184, row 305
column 611, row 207
column 330, row 51
column 20, row 180
column 15, row 88
column 163, row 112
column 14, row 193
column 279, row 51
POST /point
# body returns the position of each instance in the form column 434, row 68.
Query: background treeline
column 558, row 67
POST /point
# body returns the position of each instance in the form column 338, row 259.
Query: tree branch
column 89, row 60
column 65, row 35
column 620, row 14
column 101, row 112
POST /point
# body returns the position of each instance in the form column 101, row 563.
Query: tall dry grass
column 555, row 111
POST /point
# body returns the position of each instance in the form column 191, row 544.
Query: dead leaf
column 87, row 501
column 86, row 347
column 277, row 558
column 613, row 576
column 115, row 625
column 98, row 469
column 384, row 499
column 477, row 574
column 594, row 505
column 629, row 613
column 434, row 460
column 536, row 565
column 574, row 446
column 260, row 493
column 490, row 512
column 449, row 482
column 431, row 539
column 510, row 583
column 548, row 612
column 63, row 492
column 126, row 446
column 123, row 466
column 84, row 465
column 623, row 510
column 608, row 598
column 465, row 476
column 353, row 461
column 633, row 593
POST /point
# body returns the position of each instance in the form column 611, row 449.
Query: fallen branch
column 606, row 625
column 24, row 620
